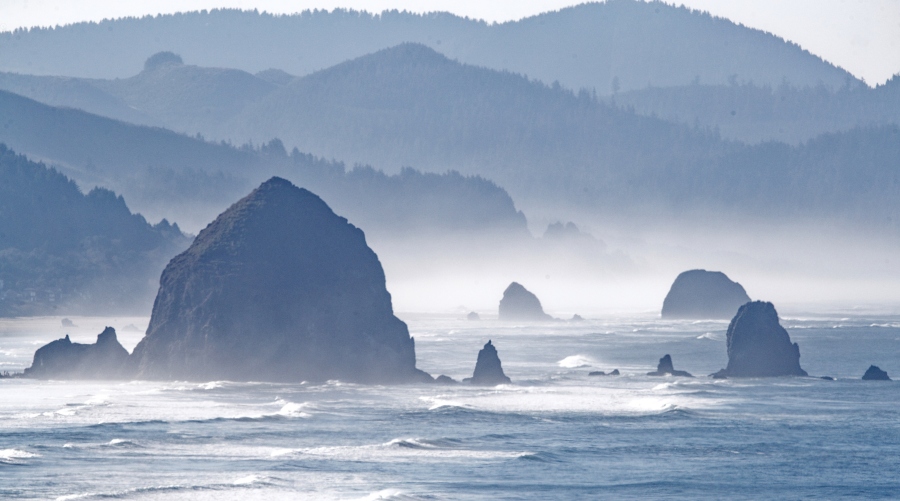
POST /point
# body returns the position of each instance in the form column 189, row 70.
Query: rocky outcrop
column 874, row 373
column 277, row 288
column 665, row 368
column 488, row 370
column 63, row 359
column 758, row 346
column 614, row 372
column 703, row 294
column 473, row 316
column 518, row 304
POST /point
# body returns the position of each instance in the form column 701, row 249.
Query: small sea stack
column 665, row 368
column 758, row 346
column 518, row 304
column 701, row 294
column 473, row 316
column 874, row 373
column 488, row 370
column 63, row 359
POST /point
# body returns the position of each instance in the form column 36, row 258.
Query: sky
column 862, row 36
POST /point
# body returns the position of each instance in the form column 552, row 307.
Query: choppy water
column 556, row 433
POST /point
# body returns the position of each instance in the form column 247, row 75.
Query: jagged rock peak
column 277, row 288
column 518, row 304
column 666, row 368
column 703, row 294
column 874, row 373
column 758, row 346
column 63, row 359
column 488, row 370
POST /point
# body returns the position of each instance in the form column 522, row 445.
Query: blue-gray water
column 555, row 434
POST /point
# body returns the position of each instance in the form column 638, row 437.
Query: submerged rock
column 874, row 373
column 277, row 288
column 519, row 304
column 63, row 359
column 488, row 370
column 703, row 294
column 473, row 316
column 614, row 372
column 665, row 368
column 758, row 346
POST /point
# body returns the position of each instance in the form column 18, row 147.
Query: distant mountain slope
column 623, row 44
column 409, row 105
column 753, row 113
column 185, row 179
column 64, row 252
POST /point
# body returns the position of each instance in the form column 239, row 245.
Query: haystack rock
column 665, row 368
column 758, row 346
column 63, row 359
column 703, row 294
column 488, row 370
column 518, row 304
column 874, row 373
column 277, row 288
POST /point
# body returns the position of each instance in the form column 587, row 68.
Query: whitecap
column 292, row 409
column 250, row 480
column 15, row 456
column 711, row 336
column 386, row 494
column 576, row 361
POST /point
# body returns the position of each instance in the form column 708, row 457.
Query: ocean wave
column 576, row 361
column 541, row 457
column 424, row 444
column 388, row 494
column 123, row 443
column 15, row 456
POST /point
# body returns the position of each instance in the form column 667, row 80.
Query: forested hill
column 753, row 113
column 62, row 251
column 618, row 44
column 186, row 179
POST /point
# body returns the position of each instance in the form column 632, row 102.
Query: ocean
column 555, row 433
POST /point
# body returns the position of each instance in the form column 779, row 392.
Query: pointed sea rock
column 703, row 294
column 63, row 359
column 488, row 370
column 277, row 288
column 665, row 368
column 874, row 373
column 518, row 304
column 758, row 346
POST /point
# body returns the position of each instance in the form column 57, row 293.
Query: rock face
column 105, row 359
column 874, row 373
column 518, row 304
column 277, row 288
column 488, row 370
column 758, row 346
column 665, row 368
column 703, row 294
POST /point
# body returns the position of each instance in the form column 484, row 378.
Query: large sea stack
column 488, row 370
column 63, row 359
column 703, row 294
column 518, row 304
column 277, row 288
column 758, row 346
